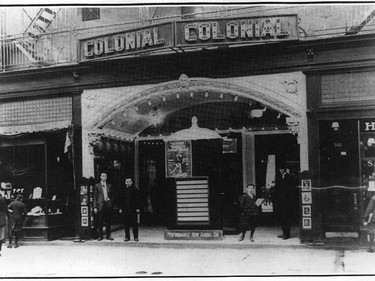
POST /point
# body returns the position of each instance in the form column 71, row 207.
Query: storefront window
column 340, row 191
column 367, row 154
column 22, row 168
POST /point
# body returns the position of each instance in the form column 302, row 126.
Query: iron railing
column 43, row 44
column 22, row 52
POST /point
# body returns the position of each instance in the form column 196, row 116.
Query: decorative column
column 89, row 141
column 298, row 127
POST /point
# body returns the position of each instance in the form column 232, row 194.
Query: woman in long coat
column 248, row 212
column 4, row 213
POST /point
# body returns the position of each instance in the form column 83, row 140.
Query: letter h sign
column 370, row 126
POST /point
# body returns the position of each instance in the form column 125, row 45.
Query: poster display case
column 179, row 160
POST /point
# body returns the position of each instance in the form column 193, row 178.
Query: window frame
column 89, row 14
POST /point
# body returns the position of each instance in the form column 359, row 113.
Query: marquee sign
column 134, row 41
column 236, row 30
column 188, row 33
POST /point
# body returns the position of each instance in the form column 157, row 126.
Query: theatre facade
column 199, row 135
column 195, row 110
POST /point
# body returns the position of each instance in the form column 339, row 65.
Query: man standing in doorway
column 103, row 204
column 284, row 200
column 129, row 207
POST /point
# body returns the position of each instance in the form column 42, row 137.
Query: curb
column 192, row 245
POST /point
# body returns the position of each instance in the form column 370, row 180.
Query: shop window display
column 23, row 170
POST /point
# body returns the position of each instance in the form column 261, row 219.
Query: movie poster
column 178, row 159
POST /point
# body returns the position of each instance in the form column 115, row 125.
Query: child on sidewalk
column 18, row 213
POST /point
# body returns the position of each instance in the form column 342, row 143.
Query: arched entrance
column 253, row 115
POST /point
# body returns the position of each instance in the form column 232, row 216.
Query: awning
column 33, row 128
column 112, row 134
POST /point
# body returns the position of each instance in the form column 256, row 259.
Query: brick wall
column 35, row 111
column 348, row 87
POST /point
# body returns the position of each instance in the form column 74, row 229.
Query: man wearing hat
column 18, row 213
column 284, row 189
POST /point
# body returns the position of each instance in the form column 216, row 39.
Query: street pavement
column 83, row 260
column 155, row 257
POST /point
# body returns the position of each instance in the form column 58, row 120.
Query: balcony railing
column 22, row 52
column 41, row 47
column 44, row 45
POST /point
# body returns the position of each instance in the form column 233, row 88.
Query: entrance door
column 231, row 182
column 156, row 192
column 285, row 149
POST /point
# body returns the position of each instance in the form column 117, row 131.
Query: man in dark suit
column 284, row 190
column 129, row 208
column 103, row 204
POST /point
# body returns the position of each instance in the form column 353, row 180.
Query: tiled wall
column 348, row 87
column 38, row 111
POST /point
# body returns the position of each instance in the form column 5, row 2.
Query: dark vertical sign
column 306, row 208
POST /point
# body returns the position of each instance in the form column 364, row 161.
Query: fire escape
column 34, row 47
column 36, row 29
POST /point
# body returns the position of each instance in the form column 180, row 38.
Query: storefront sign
column 236, row 30
column 178, row 159
column 306, row 185
column 306, row 203
column 129, row 42
column 367, row 126
column 193, row 235
column 189, row 33
column 306, row 223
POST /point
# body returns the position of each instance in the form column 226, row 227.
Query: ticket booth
column 193, row 160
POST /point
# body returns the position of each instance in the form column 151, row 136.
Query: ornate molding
column 293, row 125
column 198, row 84
column 184, row 81
column 291, row 87
column 92, row 101
column 93, row 139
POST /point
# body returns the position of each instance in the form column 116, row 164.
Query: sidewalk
column 153, row 237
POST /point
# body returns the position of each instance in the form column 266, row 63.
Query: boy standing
column 18, row 212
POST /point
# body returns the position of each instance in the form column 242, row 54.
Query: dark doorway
column 156, row 191
column 286, row 151
column 231, row 181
